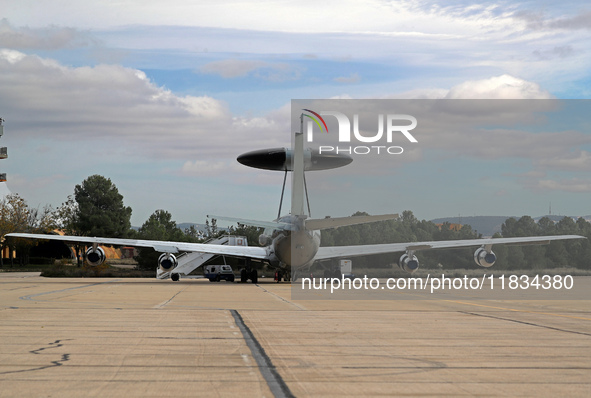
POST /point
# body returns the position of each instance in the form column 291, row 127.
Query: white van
column 216, row 273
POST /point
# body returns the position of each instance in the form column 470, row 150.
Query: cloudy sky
column 161, row 97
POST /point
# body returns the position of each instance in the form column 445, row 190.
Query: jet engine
column 408, row 263
column 95, row 256
column 264, row 240
column 484, row 258
column 167, row 262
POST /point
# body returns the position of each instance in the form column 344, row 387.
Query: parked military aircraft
column 292, row 242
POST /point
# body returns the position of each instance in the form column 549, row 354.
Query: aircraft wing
column 362, row 250
column 161, row 246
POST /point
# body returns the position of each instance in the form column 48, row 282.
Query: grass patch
column 102, row 271
column 26, row 268
column 89, row 272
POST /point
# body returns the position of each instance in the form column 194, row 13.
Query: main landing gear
column 286, row 275
column 248, row 272
column 333, row 270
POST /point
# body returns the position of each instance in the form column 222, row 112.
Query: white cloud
column 577, row 161
column 556, row 52
column 536, row 20
column 568, row 185
column 42, row 98
column 352, row 78
column 48, row 38
column 309, row 16
column 230, row 68
column 498, row 87
column 11, row 56
column 272, row 71
column 204, row 168
column 73, row 122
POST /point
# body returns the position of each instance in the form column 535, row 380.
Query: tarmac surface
column 109, row 337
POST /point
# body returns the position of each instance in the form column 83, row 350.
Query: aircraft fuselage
column 296, row 247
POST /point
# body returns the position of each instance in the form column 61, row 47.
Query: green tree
column 100, row 209
column 17, row 216
column 583, row 254
column 193, row 233
column 14, row 214
column 546, row 226
column 159, row 226
column 67, row 221
column 252, row 233
column 211, row 229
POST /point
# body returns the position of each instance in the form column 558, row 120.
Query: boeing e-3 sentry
column 292, row 243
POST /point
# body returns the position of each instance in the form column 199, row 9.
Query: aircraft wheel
column 174, row 277
column 254, row 276
column 243, row 276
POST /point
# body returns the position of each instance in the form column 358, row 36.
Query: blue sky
column 162, row 96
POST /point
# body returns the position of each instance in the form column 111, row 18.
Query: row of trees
column 97, row 209
column 575, row 253
column 405, row 229
column 408, row 228
column 17, row 216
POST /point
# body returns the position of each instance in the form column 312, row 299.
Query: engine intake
column 264, row 240
column 95, row 257
column 408, row 263
column 167, row 262
column 483, row 258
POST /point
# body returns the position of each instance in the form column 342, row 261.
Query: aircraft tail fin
column 327, row 223
column 297, row 176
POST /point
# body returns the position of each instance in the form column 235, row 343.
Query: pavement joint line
column 32, row 296
column 274, row 380
column 515, row 310
column 281, row 298
column 526, row 323
column 164, row 303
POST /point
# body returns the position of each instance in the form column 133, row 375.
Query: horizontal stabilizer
column 327, row 223
column 254, row 223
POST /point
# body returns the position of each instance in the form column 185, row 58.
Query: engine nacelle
column 166, row 262
column 408, row 263
column 264, row 240
column 483, row 258
column 95, row 257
